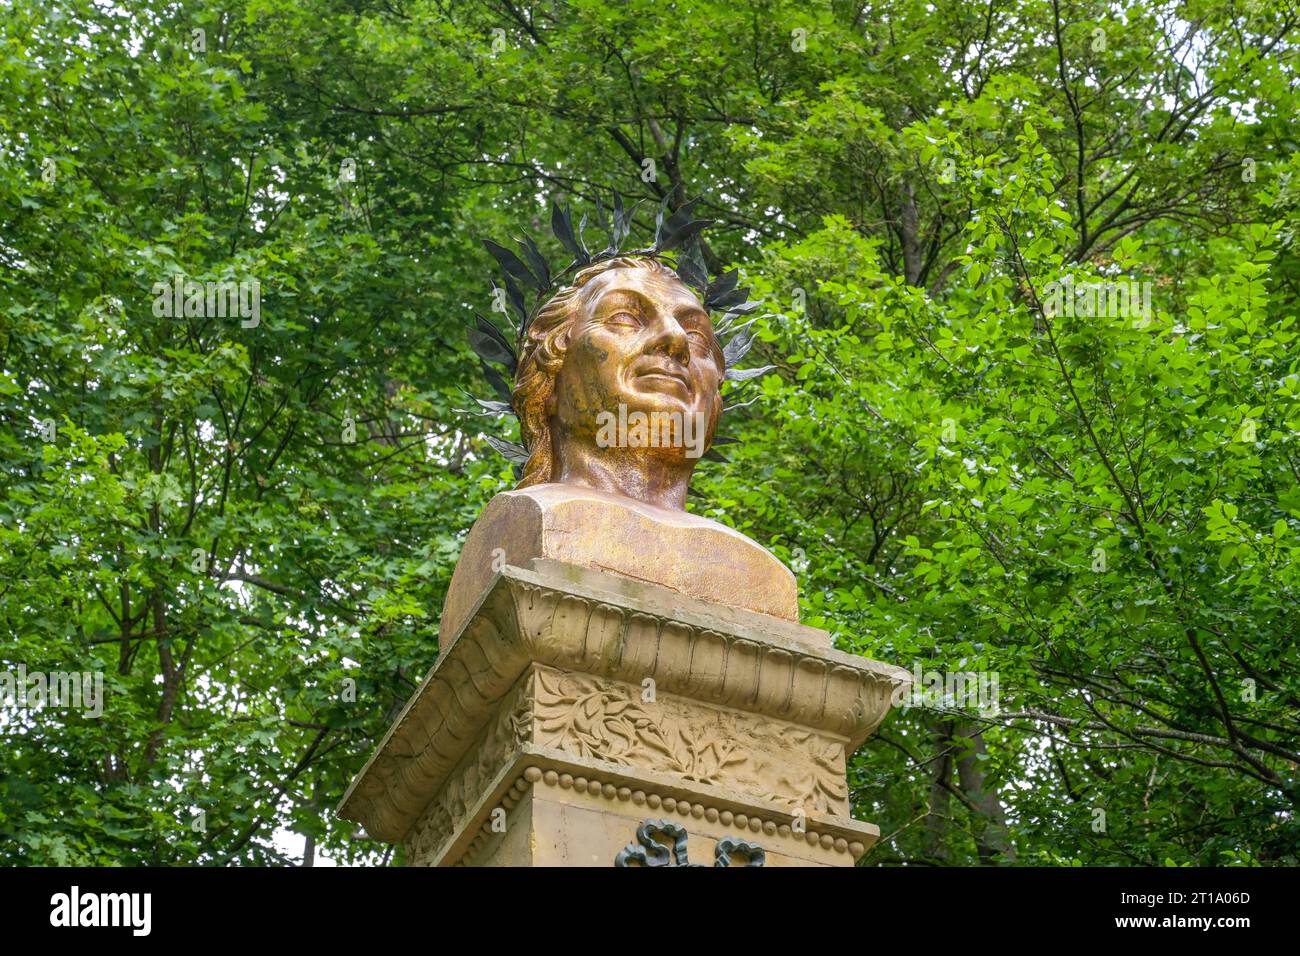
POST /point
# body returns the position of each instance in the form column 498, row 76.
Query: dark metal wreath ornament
column 648, row 851
column 676, row 235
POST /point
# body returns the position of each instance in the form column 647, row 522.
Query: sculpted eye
column 698, row 338
column 624, row 317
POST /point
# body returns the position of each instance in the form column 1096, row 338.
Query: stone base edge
column 659, row 794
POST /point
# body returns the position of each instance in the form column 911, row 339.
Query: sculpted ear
column 559, row 345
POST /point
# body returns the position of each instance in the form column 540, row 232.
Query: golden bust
column 617, row 390
column 626, row 333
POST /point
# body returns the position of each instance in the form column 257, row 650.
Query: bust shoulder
column 696, row 556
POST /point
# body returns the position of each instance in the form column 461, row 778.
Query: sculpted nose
column 670, row 338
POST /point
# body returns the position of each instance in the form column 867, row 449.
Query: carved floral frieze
column 612, row 720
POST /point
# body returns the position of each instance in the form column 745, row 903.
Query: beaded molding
column 638, row 797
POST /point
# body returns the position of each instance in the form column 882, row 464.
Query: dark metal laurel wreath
column 677, row 234
column 648, row 851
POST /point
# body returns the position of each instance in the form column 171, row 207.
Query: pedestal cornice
column 553, row 619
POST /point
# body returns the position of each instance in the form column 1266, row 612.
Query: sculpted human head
column 627, row 332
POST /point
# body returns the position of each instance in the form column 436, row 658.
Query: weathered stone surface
column 685, row 553
column 569, row 814
column 629, row 687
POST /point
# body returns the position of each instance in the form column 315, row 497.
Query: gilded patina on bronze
column 625, row 339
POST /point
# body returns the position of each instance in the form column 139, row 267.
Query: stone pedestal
column 579, row 718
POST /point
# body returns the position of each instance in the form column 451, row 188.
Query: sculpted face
column 639, row 339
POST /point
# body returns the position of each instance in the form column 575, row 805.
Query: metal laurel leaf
column 512, row 451
column 679, row 227
column 622, row 223
column 689, row 230
column 739, row 344
column 582, row 239
column 723, row 301
column 681, row 215
column 515, row 298
column 562, row 227
column 745, row 374
column 659, row 221
column 491, row 345
column 536, row 261
column 690, row 267
column 488, row 408
column 717, row 296
column 513, row 266
column 603, row 222
column 494, row 379
column 732, row 408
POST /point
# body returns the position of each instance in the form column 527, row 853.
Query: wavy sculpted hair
column 542, row 354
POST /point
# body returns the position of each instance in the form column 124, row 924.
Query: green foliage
column 234, row 522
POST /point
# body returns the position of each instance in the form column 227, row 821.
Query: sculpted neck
column 630, row 472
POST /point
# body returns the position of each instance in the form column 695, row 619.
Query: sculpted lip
column 663, row 370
